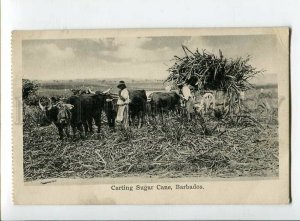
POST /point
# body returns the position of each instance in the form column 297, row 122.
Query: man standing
column 187, row 99
column 123, row 101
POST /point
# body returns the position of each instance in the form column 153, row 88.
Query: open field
column 235, row 147
column 62, row 88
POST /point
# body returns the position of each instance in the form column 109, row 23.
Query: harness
column 64, row 113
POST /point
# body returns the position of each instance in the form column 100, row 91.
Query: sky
column 139, row 57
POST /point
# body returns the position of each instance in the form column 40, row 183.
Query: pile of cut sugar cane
column 207, row 71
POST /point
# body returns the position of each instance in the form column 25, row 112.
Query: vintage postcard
column 151, row 116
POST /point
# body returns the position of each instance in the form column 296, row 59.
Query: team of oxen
column 85, row 106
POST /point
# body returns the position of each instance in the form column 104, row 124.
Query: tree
column 29, row 88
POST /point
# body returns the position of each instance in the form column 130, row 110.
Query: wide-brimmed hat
column 121, row 83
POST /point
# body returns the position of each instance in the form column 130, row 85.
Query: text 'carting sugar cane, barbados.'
column 124, row 187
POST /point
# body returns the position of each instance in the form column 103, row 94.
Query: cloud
column 261, row 48
column 47, row 51
column 142, row 50
column 165, row 42
column 115, row 50
column 144, row 57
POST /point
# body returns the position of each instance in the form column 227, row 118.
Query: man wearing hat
column 123, row 101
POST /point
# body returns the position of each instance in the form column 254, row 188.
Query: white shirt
column 186, row 92
column 125, row 95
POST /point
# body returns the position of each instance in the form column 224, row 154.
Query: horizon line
column 115, row 78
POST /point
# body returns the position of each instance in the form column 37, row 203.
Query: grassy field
column 241, row 146
column 62, row 88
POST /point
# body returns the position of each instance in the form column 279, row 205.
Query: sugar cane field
column 215, row 145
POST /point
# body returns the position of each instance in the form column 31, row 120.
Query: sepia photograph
column 129, row 110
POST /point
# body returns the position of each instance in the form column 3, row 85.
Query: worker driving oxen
column 131, row 106
column 187, row 99
column 123, row 105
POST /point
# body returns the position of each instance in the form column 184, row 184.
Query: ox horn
column 107, row 91
column 41, row 106
column 50, row 104
column 90, row 91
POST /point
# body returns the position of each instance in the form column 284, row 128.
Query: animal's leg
column 98, row 124
column 111, row 115
column 131, row 119
column 90, row 124
column 67, row 129
column 98, row 121
column 113, row 119
column 61, row 132
column 74, row 129
column 139, row 116
column 153, row 111
column 143, row 118
column 85, row 127
column 136, row 120
column 151, row 115
column 188, row 115
column 80, row 128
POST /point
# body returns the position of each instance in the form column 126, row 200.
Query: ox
column 164, row 102
column 137, row 107
column 110, row 109
column 59, row 114
column 207, row 102
column 89, row 107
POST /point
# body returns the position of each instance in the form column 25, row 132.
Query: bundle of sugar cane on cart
column 217, row 82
